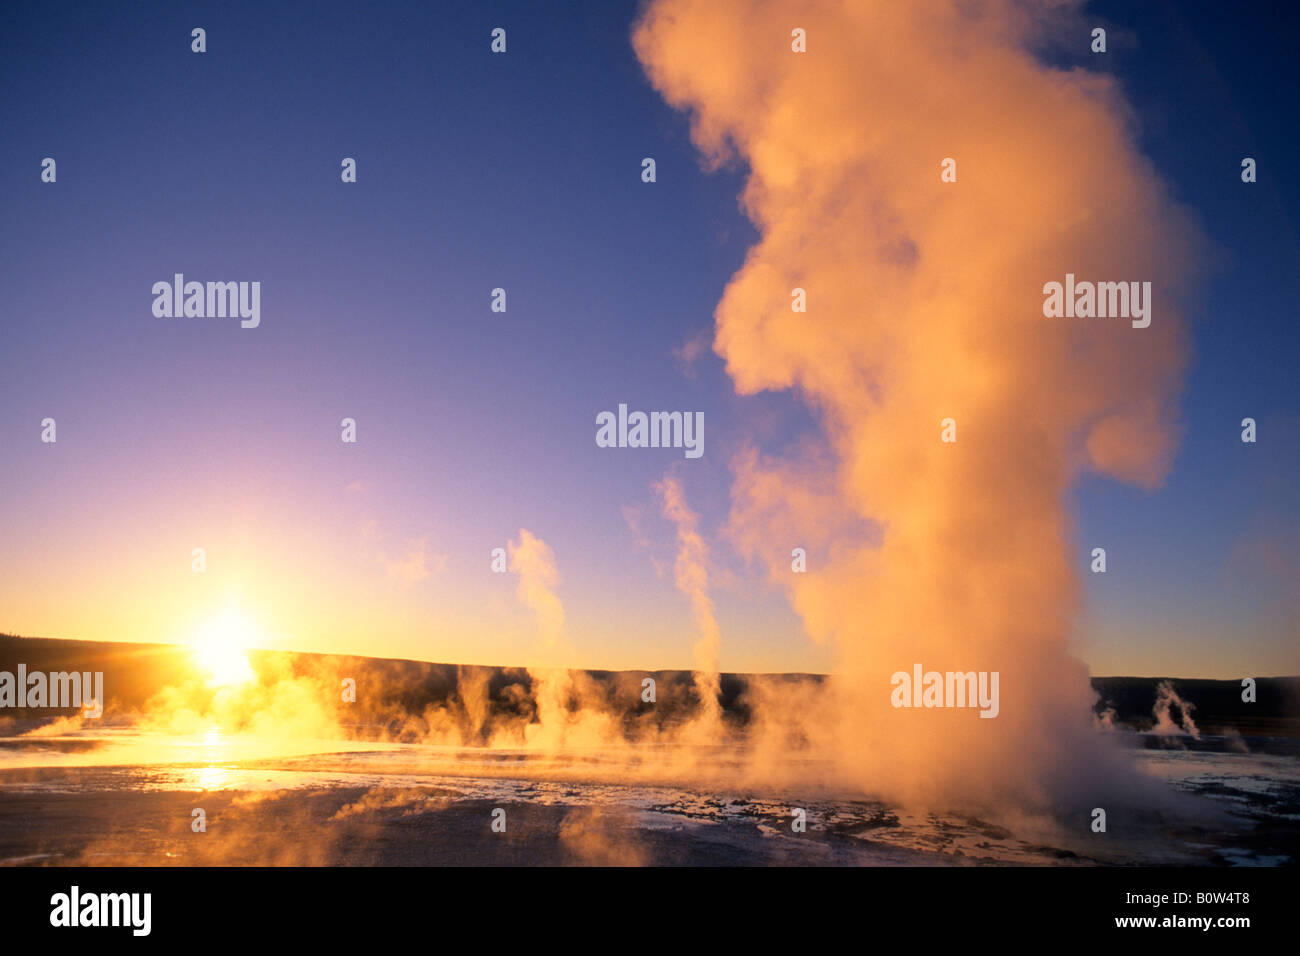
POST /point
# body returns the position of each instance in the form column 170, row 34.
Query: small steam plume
column 1166, row 700
column 533, row 561
column 692, row 576
column 570, row 711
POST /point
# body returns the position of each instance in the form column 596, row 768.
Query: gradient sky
column 520, row 171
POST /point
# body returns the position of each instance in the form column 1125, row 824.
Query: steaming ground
column 95, row 798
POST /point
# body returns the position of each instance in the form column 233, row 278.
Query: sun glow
column 219, row 648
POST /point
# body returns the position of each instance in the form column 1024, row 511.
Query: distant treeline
column 387, row 689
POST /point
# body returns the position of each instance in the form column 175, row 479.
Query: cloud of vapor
column 692, row 576
column 280, row 707
column 1167, row 699
column 924, row 302
column 603, row 836
column 566, row 711
column 533, row 561
column 416, row 564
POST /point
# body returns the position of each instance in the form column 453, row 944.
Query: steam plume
column 924, row 302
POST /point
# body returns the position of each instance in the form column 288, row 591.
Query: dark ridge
column 390, row 689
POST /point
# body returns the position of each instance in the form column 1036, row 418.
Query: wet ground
column 93, row 799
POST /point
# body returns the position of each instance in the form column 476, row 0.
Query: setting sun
column 219, row 647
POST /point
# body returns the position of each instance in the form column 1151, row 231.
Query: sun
column 219, row 648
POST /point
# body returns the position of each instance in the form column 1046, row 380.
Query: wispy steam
column 692, row 577
column 1168, row 702
column 533, row 561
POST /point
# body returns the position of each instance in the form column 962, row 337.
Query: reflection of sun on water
column 212, row 777
column 219, row 649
